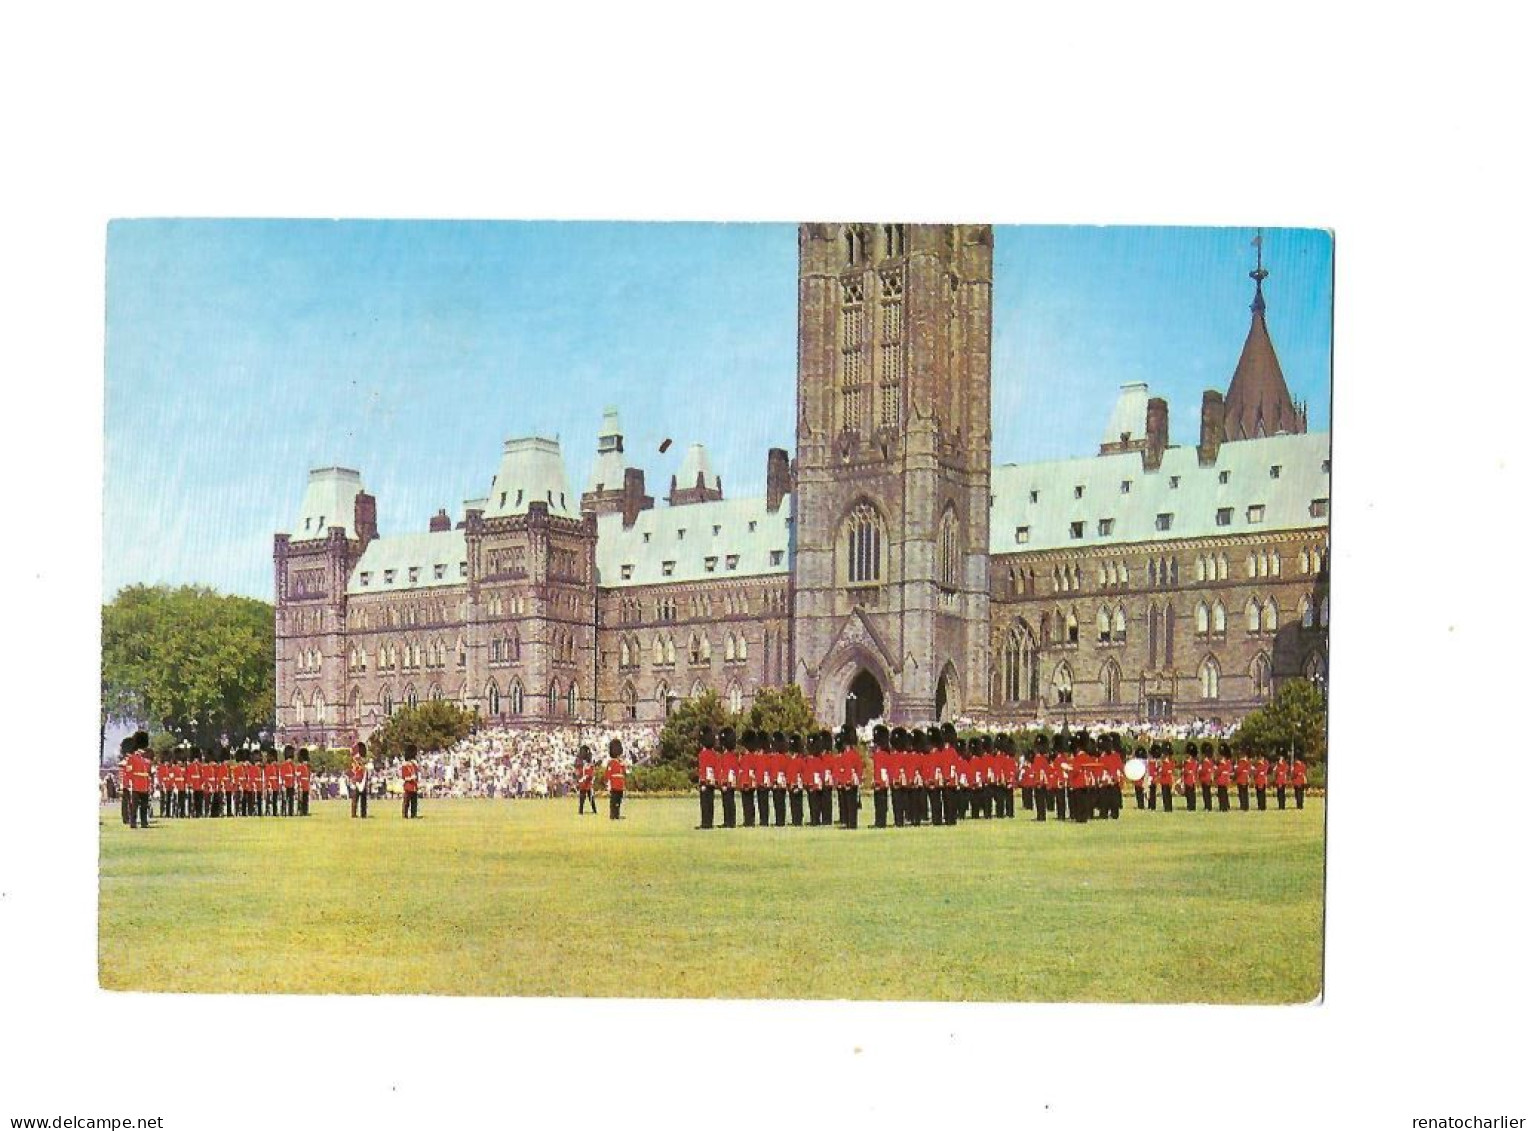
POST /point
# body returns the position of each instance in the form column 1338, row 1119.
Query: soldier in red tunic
column 287, row 779
column 1166, row 776
column 615, row 780
column 1206, row 776
column 303, row 783
column 585, row 781
column 745, row 777
column 1244, row 777
column 410, row 784
column 162, row 766
column 1260, row 780
column 706, row 778
column 1113, row 777
column 358, row 776
column 1298, row 777
column 272, row 779
column 777, row 774
column 140, row 781
column 727, row 769
column 814, row 774
column 883, row 775
column 194, row 782
column 1224, row 774
column 1281, row 777
column 849, row 777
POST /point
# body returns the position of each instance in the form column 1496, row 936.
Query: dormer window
column 1080, row 490
column 1104, row 527
column 503, row 498
column 1173, row 481
column 388, row 577
column 681, row 533
column 414, row 574
column 1222, row 516
column 647, row 536
column 438, row 572
column 519, row 497
column 1033, row 496
column 667, row 568
column 367, row 577
column 716, row 530
column 1022, row 535
column 627, row 571
column 1255, row 512
column 463, row 569
column 731, row 561
column 1164, row 521
column 1224, row 477
column 751, row 526
column 1078, row 529
column 775, row 557
column 1124, row 487
column 1275, row 471
column 1319, row 507
column 710, row 563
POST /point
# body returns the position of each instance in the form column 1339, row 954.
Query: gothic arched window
column 1262, row 676
column 863, row 545
column 948, row 550
column 1209, row 679
column 1111, row 680
column 493, row 699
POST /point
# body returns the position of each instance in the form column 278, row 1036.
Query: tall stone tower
column 892, row 478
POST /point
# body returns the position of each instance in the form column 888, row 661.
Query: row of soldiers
column 1202, row 773
column 932, row 776
column 212, row 783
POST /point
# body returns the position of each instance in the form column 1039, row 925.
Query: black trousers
column 796, row 805
column 271, row 802
column 410, row 806
column 1262, row 799
column 1190, row 795
column 1040, row 799
column 585, row 796
column 1299, row 797
column 763, row 802
column 1223, row 793
column 182, row 802
column 953, row 805
column 1009, row 800
column 252, row 803
column 1166, row 799
column 727, row 796
column 303, row 803
column 287, row 801
column 1244, row 797
column 881, row 808
column 1208, row 790
column 359, row 802
column 614, row 805
column 898, row 802
column 748, row 807
column 1028, row 797
column 139, row 815
column 1115, row 802
column 1139, row 795
column 1281, row 796
column 1061, row 800
column 780, row 807
column 935, row 805
column 851, row 802
column 706, row 806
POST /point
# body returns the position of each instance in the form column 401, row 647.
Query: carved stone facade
column 889, row 569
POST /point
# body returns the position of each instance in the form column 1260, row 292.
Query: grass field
column 525, row 898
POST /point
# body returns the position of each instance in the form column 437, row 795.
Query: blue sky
column 242, row 353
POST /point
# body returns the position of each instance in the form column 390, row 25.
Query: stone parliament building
column 890, row 569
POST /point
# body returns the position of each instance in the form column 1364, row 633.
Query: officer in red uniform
column 1190, row 776
column 1224, row 774
column 213, row 774
column 1281, row 776
column 286, row 780
column 358, row 776
column 1081, row 780
column 898, row 774
column 162, row 766
column 1149, row 778
column 615, row 780
column 1260, row 781
column 585, row 781
column 1244, row 777
column 933, row 767
column 920, row 770
column 814, row 773
column 1059, row 776
column 303, row 780
column 272, row 779
column 194, row 782
column 1299, row 775
column 727, row 768
column 1206, row 775
column 761, row 764
column 706, row 778
column 410, row 783
column 883, row 775
column 140, row 781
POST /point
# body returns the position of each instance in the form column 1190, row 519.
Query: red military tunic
column 1299, row 774
column 615, row 775
column 727, row 769
column 1260, row 773
column 1281, row 773
column 707, row 766
column 1206, row 772
column 194, row 776
column 1166, row 772
column 140, row 773
column 1223, row 773
column 285, row 775
column 272, row 773
column 303, row 777
column 1243, row 771
column 1190, row 772
column 588, row 775
column 410, row 776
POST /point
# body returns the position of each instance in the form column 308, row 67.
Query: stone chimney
column 1211, row 431
column 1156, row 432
column 780, row 477
column 440, row 522
column 634, row 498
column 365, row 518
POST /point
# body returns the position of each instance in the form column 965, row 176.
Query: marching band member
column 1113, row 777
column 1166, row 776
column 1150, row 776
column 585, row 782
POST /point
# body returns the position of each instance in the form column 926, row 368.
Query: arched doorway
column 865, row 699
column 947, row 704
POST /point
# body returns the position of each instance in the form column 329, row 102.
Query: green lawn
column 525, row 898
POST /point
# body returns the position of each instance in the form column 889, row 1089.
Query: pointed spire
column 1258, row 401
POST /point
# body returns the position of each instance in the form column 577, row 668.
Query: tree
column 781, row 708
column 679, row 738
column 190, row 661
column 1296, row 715
column 430, row 726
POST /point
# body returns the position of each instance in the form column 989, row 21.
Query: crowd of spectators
column 507, row 762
